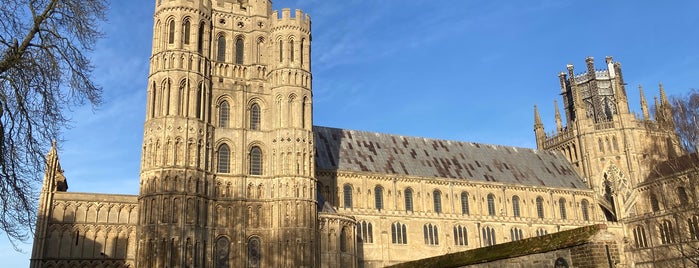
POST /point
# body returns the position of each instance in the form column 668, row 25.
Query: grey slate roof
column 360, row 151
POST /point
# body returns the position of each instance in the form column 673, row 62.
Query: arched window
column 347, row 195
column 540, row 232
column 171, row 33
column 460, row 236
column 222, row 252
column 655, row 206
column 562, row 207
column 693, row 224
column 398, row 233
column 488, row 236
column 221, row 53
column 254, row 252
column 378, row 197
column 185, row 31
column 682, row 196
column 437, row 196
column 281, row 51
column 291, row 50
column 540, row 207
column 224, row 159
column 639, row 237
column 223, row 114
column 464, row 203
column 516, row 234
column 301, row 50
column 431, row 234
column 365, row 232
column 343, row 240
column 255, row 116
column 239, row 50
column 491, row 204
column 667, row 235
column 409, row 199
column 515, row 206
column 200, row 38
column 255, row 161
column 584, row 206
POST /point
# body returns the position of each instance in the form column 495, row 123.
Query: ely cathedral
column 235, row 174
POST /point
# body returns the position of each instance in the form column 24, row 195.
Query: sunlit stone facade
column 234, row 174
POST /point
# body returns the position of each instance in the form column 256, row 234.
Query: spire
column 559, row 126
column 644, row 104
column 663, row 98
column 658, row 111
column 665, row 108
column 539, row 129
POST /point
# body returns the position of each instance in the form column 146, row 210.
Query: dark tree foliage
column 685, row 112
column 43, row 74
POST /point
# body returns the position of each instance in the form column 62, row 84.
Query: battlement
column 611, row 72
column 299, row 18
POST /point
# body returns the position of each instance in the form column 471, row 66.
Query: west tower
column 612, row 148
column 227, row 166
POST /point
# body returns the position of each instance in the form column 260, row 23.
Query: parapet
column 300, row 19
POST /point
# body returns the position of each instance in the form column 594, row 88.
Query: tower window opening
column 239, row 50
column 224, row 114
column 255, row 161
column 171, row 33
column 185, row 32
column 281, row 51
column 291, row 50
column 255, row 117
column 200, row 38
column 221, row 53
column 224, row 161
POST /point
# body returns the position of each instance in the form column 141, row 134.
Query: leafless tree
column 685, row 112
column 44, row 72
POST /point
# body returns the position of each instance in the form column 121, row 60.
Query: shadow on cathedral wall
column 71, row 242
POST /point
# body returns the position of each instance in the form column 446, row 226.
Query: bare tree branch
column 43, row 74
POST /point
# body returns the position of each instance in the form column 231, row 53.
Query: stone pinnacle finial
column 559, row 124
column 644, row 104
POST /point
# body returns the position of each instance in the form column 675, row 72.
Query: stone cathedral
column 235, row 174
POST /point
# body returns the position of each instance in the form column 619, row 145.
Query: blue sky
column 457, row 70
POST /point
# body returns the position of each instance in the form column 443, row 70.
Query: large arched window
column 488, row 236
column 667, row 235
column 239, row 50
column 540, row 207
column 222, row 252
column 460, row 236
column 399, row 233
column 223, row 114
column 655, row 206
column 347, row 195
column 255, row 161
column 186, row 31
column 224, row 159
column 516, row 234
column 562, row 207
column 515, row 206
column 491, row 204
column 378, row 197
column 200, row 38
column 584, row 206
column 409, row 199
column 255, row 116
column 171, row 32
column 365, row 232
column 254, row 252
column 431, row 234
column 693, row 224
column 464, row 203
column 639, row 237
column 437, row 196
column 221, row 53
